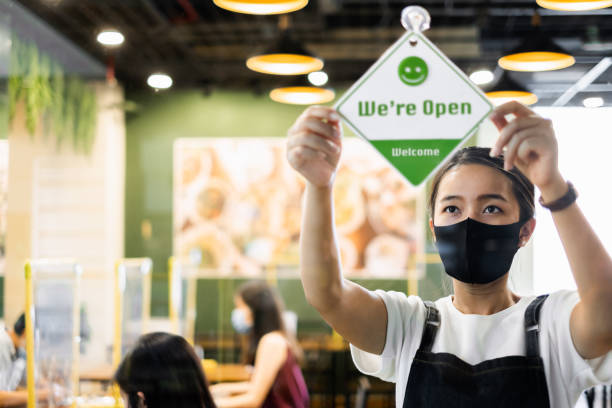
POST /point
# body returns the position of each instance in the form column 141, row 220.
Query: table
column 216, row 373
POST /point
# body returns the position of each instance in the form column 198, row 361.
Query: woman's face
column 478, row 192
column 241, row 305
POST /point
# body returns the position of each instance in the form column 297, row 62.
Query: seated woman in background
column 277, row 380
column 162, row 370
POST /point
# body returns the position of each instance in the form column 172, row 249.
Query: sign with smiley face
column 414, row 106
column 412, row 71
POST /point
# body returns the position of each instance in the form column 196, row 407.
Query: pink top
column 289, row 389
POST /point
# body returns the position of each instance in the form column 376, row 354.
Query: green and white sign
column 414, row 106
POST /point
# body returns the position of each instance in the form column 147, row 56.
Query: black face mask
column 474, row 252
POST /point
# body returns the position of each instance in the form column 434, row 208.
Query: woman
column 277, row 380
column 161, row 371
column 484, row 346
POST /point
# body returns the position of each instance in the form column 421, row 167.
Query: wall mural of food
column 237, row 209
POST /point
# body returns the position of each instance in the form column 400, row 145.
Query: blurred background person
column 12, row 364
column 277, row 380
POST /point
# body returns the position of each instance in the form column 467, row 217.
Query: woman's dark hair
column 267, row 308
column 19, row 326
column 165, row 368
column 521, row 186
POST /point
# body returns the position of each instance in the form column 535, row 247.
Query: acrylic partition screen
column 55, row 287
column 237, row 209
column 183, row 287
column 134, row 284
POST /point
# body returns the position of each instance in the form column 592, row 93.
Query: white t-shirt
column 476, row 338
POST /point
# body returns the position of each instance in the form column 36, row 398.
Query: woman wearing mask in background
column 277, row 380
column 484, row 346
column 162, row 371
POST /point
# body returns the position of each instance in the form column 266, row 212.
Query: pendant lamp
column 574, row 5
column 300, row 92
column 286, row 56
column 261, row 6
column 507, row 90
column 537, row 52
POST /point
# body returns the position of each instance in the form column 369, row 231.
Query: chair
column 363, row 391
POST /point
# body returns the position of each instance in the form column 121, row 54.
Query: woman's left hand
column 530, row 145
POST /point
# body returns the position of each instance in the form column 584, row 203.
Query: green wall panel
column 159, row 120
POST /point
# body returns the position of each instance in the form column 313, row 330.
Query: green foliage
column 64, row 106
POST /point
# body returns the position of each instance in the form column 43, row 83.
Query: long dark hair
column 165, row 368
column 267, row 308
column 521, row 186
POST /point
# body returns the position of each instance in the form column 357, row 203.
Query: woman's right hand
column 314, row 145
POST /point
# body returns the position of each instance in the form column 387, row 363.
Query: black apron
column 444, row 380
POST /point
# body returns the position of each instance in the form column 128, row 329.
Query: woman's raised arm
column 532, row 147
column 313, row 149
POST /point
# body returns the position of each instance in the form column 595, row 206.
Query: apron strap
column 532, row 326
column 430, row 329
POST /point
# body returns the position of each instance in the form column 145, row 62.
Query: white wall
column 66, row 204
column 585, row 143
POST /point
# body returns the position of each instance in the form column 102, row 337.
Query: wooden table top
column 214, row 373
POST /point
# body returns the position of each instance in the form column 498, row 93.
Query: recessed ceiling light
column 318, row 78
column 482, row 77
column 159, row 81
column 110, row 38
column 593, row 102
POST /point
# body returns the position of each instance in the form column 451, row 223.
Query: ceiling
column 202, row 46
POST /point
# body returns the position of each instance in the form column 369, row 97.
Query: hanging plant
column 63, row 107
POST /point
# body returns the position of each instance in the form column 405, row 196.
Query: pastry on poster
column 208, row 248
column 212, row 200
column 194, row 164
column 389, row 214
column 287, row 254
column 359, row 159
column 393, row 209
column 282, row 213
column 245, row 162
column 387, row 256
column 349, row 203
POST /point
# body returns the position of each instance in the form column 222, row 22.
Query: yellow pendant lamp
column 300, row 92
column 574, row 5
column 507, row 90
column 286, row 56
column 537, row 52
column 261, row 6
column 302, row 95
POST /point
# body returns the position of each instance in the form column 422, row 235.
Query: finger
column 514, row 126
column 512, row 107
column 322, row 113
column 529, row 150
column 514, row 145
column 322, row 129
column 499, row 121
column 498, row 117
column 315, row 142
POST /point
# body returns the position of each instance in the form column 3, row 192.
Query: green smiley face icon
column 412, row 71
